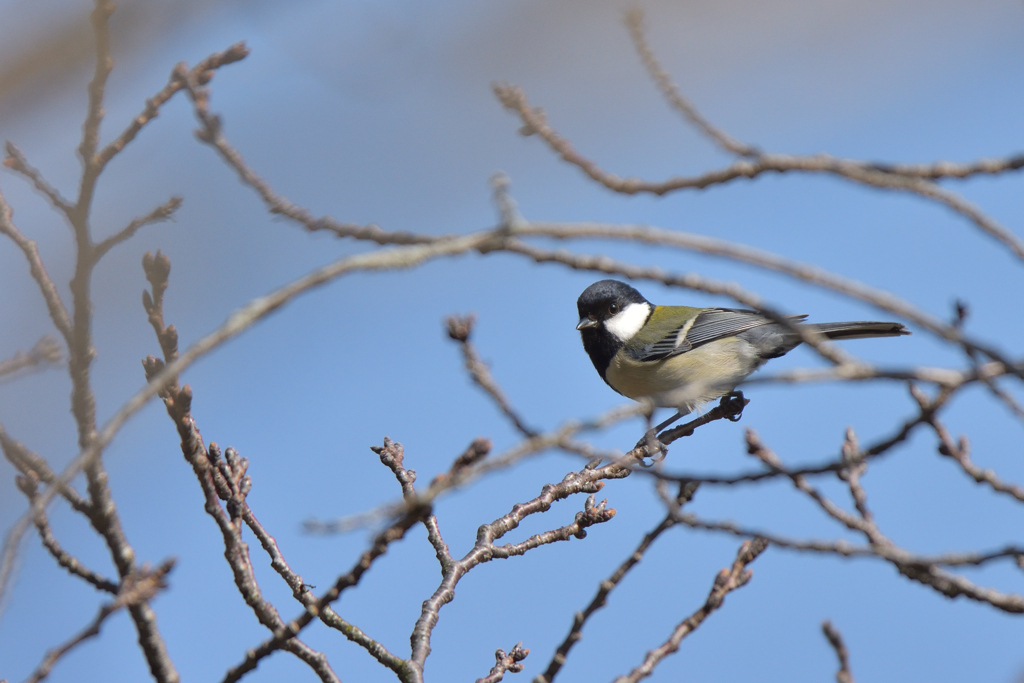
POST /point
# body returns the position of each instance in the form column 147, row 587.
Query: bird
column 682, row 357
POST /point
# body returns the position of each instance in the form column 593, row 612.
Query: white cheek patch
column 628, row 321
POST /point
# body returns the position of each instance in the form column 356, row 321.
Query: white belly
column 689, row 379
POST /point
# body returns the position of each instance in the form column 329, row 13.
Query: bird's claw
column 732, row 404
column 654, row 447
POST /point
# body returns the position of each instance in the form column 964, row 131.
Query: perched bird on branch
column 681, row 357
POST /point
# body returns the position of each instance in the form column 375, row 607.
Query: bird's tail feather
column 861, row 329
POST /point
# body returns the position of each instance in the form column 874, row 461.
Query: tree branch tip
column 152, row 366
column 236, row 52
column 16, row 161
column 157, row 267
column 500, row 182
column 508, row 93
column 460, row 327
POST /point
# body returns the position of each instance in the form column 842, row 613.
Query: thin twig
column 535, row 122
column 280, row 637
column 460, row 329
column 727, row 581
column 238, row 322
column 843, row 548
column 949, row 584
column 58, row 313
column 164, row 212
column 835, row 639
column 604, row 589
column 959, row 450
column 506, row 663
column 34, row 466
column 202, row 73
column 100, row 18
column 45, row 352
column 137, row 588
column 222, row 478
column 16, row 161
column 29, row 485
column 634, row 22
column 210, row 133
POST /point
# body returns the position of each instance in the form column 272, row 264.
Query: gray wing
column 712, row 324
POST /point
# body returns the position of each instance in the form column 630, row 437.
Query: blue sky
column 382, row 112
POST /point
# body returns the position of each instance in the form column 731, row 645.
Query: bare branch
column 136, row 588
column 36, row 467
column 164, row 212
column 882, row 447
column 280, row 638
column 621, row 465
column 605, row 588
column 506, row 663
column 835, row 639
column 59, row 314
column 211, row 134
column 201, row 73
column 29, row 485
column 222, row 477
column 16, row 161
column 960, row 451
column 460, row 329
column 104, row 64
column 727, row 581
column 737, row 252
column 853, row 472
column 933, row 171
column 587, row 480
column 535, row 122
column 757, row 448
column 950, row 585
column 947, row 169
column 634, row 22
column 843, row 548
column 399, row 258
column 45, row 352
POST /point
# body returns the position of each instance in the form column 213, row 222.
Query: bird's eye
column 613, row 308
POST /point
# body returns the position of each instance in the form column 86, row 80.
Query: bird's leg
column 650, row 440
column 679, row 414
column 733, row 404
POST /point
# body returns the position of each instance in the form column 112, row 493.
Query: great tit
column 681, row 357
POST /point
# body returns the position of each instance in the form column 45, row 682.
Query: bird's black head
column 601, row 306
column 603, row 300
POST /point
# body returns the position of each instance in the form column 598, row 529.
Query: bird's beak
column 586, row 322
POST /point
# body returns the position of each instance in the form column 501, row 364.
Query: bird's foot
column 649, row 446
column 732, row 404
column 653, row 449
